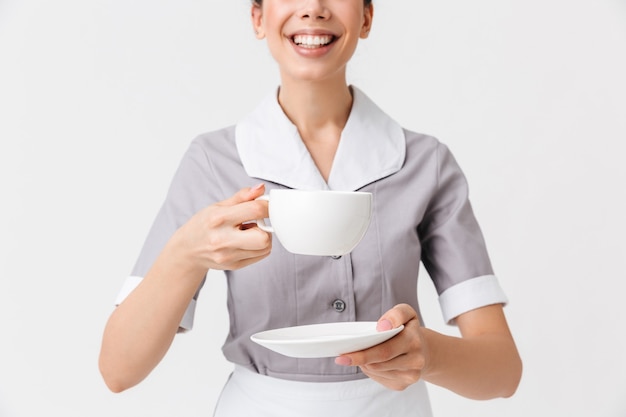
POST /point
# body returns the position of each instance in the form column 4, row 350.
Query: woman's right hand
column 141, row 329
column 218, row 237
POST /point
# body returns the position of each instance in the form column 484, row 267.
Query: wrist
column 179, row 258
column 430, row 340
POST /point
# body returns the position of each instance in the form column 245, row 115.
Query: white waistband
column 344, row 390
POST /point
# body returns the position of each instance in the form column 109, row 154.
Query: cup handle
column 261, row 222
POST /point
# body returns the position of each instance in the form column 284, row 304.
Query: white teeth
column 309, row 41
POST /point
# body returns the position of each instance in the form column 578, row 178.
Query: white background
column 99, row 99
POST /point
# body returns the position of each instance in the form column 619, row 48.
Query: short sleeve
column 453, row 248
column 185, row 197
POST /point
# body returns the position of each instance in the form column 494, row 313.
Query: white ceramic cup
column 322, row 223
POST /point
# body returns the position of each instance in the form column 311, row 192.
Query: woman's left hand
column 401, row 360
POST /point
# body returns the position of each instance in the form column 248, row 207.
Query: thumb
column 400, row 314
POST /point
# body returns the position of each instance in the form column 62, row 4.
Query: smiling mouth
column 312, row 41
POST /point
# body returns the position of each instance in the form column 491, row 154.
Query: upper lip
column 312, row 32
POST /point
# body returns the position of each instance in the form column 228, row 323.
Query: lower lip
column 312, row 52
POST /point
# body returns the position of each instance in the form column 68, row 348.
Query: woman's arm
column 141, row 329
column 484, row 363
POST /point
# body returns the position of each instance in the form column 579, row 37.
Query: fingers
column 230, row 255
column 393, row 380
column 385, row 352
column 401, row 351
column 247, row 259
column 243, row 195
column 220, row 235
column 398, row 362
column 243, row 207
column 251, row 238
column 393, row 318
column 230, row 246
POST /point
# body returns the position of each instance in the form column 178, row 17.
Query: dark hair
column 367, row 2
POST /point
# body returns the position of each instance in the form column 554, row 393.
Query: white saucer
column 323, row 340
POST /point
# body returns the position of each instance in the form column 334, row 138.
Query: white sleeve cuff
column 133, row 281
column 470, row 295
column 129, row 285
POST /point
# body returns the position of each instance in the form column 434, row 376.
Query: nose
column 314, row 9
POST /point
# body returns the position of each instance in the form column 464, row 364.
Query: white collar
column 372, row 146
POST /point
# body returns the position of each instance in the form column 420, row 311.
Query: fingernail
column 257, row 187
column 384, row 325
column 343, row 360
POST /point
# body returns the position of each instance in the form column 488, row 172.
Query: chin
column 308, row 74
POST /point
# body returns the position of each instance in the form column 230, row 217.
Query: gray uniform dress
column 421, row 212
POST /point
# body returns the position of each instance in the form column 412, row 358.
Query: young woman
column 317, row 132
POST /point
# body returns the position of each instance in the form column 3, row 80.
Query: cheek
column 272, row 27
